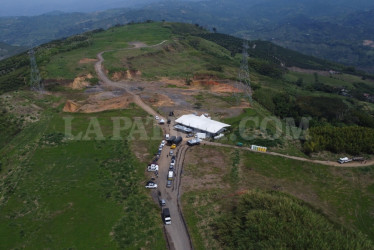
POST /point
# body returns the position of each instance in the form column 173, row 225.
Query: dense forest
column 273, row 220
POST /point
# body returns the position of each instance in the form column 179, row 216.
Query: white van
column 170, row 175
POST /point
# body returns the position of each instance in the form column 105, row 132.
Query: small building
column 202, row 124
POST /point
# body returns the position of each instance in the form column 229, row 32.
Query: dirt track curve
column 177, row 233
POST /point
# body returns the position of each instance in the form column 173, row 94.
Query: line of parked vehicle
column 153, row 166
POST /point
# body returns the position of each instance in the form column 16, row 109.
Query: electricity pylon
column 243, row 83
column 35, row 79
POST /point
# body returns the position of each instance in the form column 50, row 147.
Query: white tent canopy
column 201, row 123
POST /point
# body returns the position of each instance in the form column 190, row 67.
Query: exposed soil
column 138, row 44
column 87, row 60
column 71, row 106
column 126, row 75
column 98, row 103
column 81, row 82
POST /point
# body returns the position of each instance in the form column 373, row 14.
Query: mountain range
column 340, row 31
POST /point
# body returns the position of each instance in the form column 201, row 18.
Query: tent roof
column 202, row 123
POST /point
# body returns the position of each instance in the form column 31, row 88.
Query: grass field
column 66, row 65
column 59, row 193
column 216, row 177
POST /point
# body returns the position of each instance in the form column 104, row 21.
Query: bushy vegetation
column 270, row 52
column 322, row 109
column 272, row 220
column 9, row 126
column 351, row 140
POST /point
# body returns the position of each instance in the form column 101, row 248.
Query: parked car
column 171, row 168
column 152, row 168
column 151, row 184
column 163, row 143
column 168, row 184
column 189, row 135
column 173, row 146
column 172, row 163
column 157, row 118
column 171, row 153
column 173, row 157
column 167, row 136
column 162, row 202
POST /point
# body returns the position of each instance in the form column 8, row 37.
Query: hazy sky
column 36, row 7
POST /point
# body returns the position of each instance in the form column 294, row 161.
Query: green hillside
column 88, row 192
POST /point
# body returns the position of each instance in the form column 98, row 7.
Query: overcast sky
column 36, row 7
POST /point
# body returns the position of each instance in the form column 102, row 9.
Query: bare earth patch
column 87, row 60
column 81, row 82
column 126, row 75
column 98, row 103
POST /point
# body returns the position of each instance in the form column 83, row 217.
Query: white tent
column 202, row 123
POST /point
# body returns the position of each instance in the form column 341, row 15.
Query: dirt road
column 177, row 232
column 328, row 163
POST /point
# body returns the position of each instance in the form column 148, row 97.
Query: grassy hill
column 54, row 189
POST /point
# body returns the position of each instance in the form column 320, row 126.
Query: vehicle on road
column 358, row 159
column 189, row 135
column 166, row 216
column 171, row 140
column 193, row 142
column 151, row 185
column 178, row 140
column 172, row 163
column 162, row 202
column 162, row 122
column 171, row 153
column 157, row 118
column 239, row 144
column 152, row 168
column 344, row 160
column 170, row 175
column 168, row 184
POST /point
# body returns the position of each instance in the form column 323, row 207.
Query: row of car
column 153, row 167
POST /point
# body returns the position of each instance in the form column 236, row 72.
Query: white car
column 167, row 136
column 157, row 118
column 151, row 185
column 172, row 162
column 163, row 143
column 152, row 168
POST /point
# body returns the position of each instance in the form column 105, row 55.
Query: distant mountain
column 338, row 30
column 7, row 50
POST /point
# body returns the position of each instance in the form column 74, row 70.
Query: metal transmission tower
column 244, row 82
column 35, row 79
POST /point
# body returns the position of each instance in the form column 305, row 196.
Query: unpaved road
column 177, row 233
column 328, row 163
